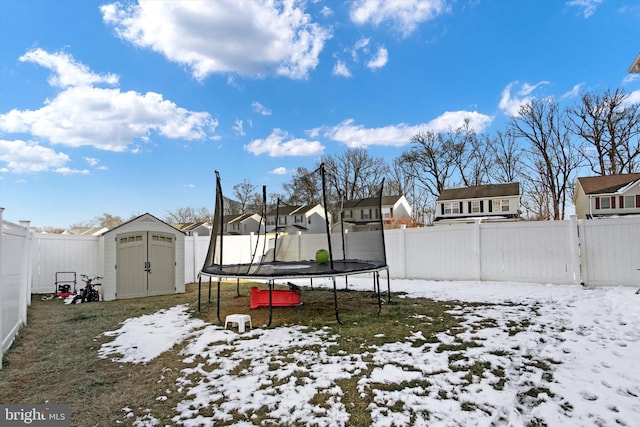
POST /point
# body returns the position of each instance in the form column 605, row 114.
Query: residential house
column 606, row 196
column 241, row 224
column 191, row 228
column 489, row 202
column 86, row 231
column 292, row 219
column 362, row 213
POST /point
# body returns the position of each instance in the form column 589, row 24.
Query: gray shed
column 143, row 257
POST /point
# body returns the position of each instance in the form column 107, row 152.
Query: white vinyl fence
column 15, row 279
column 603, row 252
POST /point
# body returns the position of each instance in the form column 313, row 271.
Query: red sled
column 280, row 298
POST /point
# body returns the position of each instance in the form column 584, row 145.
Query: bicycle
column 89, row 293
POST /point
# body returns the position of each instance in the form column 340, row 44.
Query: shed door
column 162, row 265
column 145, row 263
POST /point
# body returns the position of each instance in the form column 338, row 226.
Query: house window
column 475, row 206
column 297, row 219
column 282, row 220
column 605, row 202
column 629, row 202
column 365, row 214
column 451, row 208
column 504, row 205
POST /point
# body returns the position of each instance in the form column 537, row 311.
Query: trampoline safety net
column 288, row 237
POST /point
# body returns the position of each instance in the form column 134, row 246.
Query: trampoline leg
column 238, row 287
column 311, row 280
column 199, row 291
column 218, row 302
column 209, row 300
column 388, row 287
column 270, row 302
column 335, row 300
column 376, row 285
column 346, row 283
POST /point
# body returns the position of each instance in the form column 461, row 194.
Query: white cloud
column 278, row 145
column 341, row 69
column 357, row 136
column 25, row 157
column 271, row 36
column 103, row 118
column 573, row 93
column 238, row 126
column 510, row 104
column 588, row 6
column 326, row 11
column 633, row 98
column 67, row 72
column 380, row 59
column 260, row 109
column 279, row 171
column 404, row 15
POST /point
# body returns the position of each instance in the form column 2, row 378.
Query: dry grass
column 54, row 358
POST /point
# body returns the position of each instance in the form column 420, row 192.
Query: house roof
column 189, row 226
column 481, row 191
column 86, row 231
column 228, row 219
column 371, row 201
column 607, row 184
column 291, row 210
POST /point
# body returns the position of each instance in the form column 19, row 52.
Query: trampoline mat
column 293, row 269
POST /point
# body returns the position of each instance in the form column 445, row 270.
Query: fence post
column 478, row 248
column 25, row 291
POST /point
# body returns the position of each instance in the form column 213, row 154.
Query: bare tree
column 354, row 173
column 305, row 187
column 471, row 155
column 553, row 158
column 430, row 161
column 506, row 164
column 610, row 127
column 246, row 196
column 185, row 215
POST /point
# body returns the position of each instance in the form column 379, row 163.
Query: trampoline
column 289, row 236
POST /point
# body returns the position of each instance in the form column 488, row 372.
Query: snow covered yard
column 523, row 354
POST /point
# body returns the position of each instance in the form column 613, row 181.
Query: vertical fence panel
column 55, row 253
column 611, row 251
column 528, row 252
column 15, row 241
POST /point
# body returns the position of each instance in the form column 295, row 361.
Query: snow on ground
column 554, row 354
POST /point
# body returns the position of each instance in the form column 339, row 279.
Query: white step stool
column 238, row 319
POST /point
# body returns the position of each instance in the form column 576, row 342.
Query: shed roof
column 606, row 184
column 481, row 191
column 141, row 218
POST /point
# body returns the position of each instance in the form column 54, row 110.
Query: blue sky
column 130, row 107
